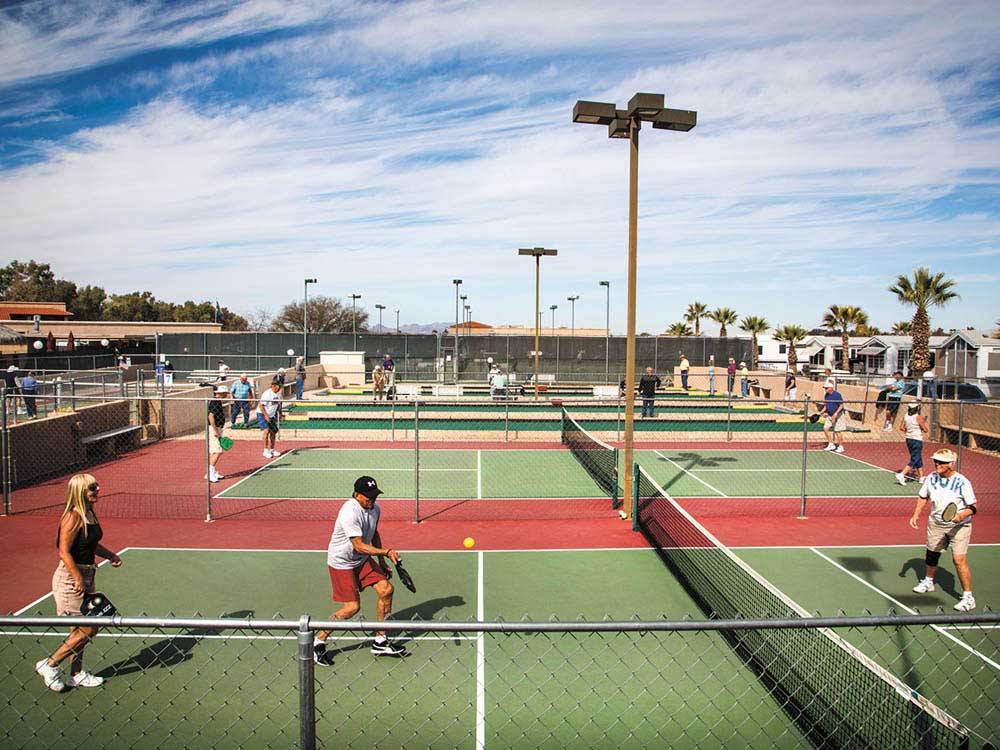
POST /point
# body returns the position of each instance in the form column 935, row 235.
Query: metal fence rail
column 241, row 682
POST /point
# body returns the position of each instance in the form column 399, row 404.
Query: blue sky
column 227, row 150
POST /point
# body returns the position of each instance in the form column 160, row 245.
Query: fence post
column 416, row 460
column 506, row 420
column 635, row 497
column 121, row 381
column 208, row 466
column 805, row 453
column 618, row 418
column 392, row 428
column 58, row 390
column 307, row 686
column 729, row 410
column 4, row 451
column 961, row 435
column 72, row 394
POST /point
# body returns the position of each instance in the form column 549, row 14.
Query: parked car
column 948, row 390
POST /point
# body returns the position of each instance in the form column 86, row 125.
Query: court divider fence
column 726, row 457
column 241, row 682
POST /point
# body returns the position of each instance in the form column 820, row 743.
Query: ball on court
column 469, row 542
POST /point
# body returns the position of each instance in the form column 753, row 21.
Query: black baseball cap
column 367, row 486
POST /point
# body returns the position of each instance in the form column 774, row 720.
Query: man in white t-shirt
column 354, row 540
column 269, row 417
column 223, row 370
column 943, row 487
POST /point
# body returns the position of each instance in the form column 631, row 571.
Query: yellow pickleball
column 469, row 542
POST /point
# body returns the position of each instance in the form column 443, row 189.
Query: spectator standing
column 730, row 375
column 10, row 382
column 378, row 383
column 300, row 377
column 29, row 392
column 648, row 384
column 216, row 422
column 389, row 367
column 744, row 380
column 791, row 391
column 684, row 367
column 242, row 395
column 223, row 370
column 836, row 418
column 268, row 417
column 711, row 375
column 893, row 399
column 914, row 428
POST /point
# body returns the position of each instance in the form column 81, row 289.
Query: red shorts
column 348, row 584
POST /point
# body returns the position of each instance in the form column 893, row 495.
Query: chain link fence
column 237, row 682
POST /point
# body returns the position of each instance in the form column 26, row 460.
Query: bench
column 203, row 376
column 605, row 391
column 443, row 390
column 407, row 390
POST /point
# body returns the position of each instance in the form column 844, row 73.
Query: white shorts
column 839, row 426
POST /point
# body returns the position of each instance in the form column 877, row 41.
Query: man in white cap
column 944, row 487
column 216, row 421
column 836, row 418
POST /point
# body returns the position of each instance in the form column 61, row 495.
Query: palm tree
column 695, row 312
column 724, row 317
column 679, row 329
column 901, row 328
column 792, row 335
column 843, row 318
column 754, row 324
column 922, row 291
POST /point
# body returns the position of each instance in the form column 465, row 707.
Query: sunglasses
column 93, row 486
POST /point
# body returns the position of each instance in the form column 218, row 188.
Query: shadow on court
column 423, row 612
column 944, row 579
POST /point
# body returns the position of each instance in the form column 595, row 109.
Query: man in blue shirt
column 242, row 391
column 389, row 367
column 836, row 418
column 29, row 390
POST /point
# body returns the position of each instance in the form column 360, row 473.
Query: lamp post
column 397, row 321
column 572, row 314
column 354, row 318
column 552, row 309
column 537, row 253
column 380, row 308
column 607, row 330
column 626, row 124
column 457, row 283
column 305, row 319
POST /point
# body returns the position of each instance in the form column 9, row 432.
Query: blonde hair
column 76, row 497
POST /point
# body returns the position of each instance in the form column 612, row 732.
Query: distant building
column 28, row 311
column 972, row 356
column 869, row 355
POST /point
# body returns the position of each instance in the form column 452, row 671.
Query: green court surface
column 225, row 689
column 498, row 423
column 543, row 407
column 321, row 472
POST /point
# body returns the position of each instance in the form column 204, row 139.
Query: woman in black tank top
column 79, row 542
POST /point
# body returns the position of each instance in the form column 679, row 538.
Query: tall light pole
column 572, row 314
column 380, row 308
column 305, row 319
column 553, row 309
column 607, row 330
column 537, row 253
column 354, row 318
column 457, row 283
column 626, row 124
column 397, row 321
column 468, row 320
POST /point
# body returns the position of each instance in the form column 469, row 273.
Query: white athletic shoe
column 839, row 449
column 830, row 447
column 925, row 586
column 887, row 428
column 267, row 453
column 85, row 679
column 901, row 478
column 275, row 454
column 966, row 604
column 51, row 676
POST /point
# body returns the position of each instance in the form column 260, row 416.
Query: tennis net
column 837, row 695
column 599, row 459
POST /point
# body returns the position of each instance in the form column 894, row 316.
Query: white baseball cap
column 12, row 368
column 829, row 384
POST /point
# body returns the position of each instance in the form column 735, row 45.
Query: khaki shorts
column 839, row 426
column 959, row 535
column 67, row 601
column 213, row 442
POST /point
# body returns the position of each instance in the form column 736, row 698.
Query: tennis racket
column 97, row 605
column 949, row 512
column 405, row 578
column 814, row 418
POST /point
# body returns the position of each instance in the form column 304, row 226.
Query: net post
column 208, row 467
column 615, row 490
column 729, row 414
column 307, row 685
column 961, row 435
column 4, row 451
column 618, row 418
column 392, row 423
column 416, row 460
column 805, row 453
column 635, row 497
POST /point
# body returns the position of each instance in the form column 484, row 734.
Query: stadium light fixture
column 537, row 253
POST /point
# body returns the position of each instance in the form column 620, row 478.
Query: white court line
column 479, row 475
column 852, row 458
column 970, row 627
column 912, row 611
column 42, row 598
column 798, row 470
column 480, row 661
column 356, row 469
column 693, row 476
column 252, row 474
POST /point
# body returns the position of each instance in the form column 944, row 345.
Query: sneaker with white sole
column 275, row 454
column 267, row 453
column 387, row 648
column 85, row 679
column 51, row 676
column 830, row 447
column 966, row 604
column 320, row 656
column 839, row 449
column 887, row 428
column 900, row 478
column 924, row 587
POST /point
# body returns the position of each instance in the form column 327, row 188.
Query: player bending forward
column 354, row 540
column 944, row 487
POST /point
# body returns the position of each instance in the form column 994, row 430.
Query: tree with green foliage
column 843, row 319
column 791, row 334
column 754, row 325
column 901, row 328
column 922, row 291
column 724, row 317
column 679, row 329
column 326, row 315
column 695, row 312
